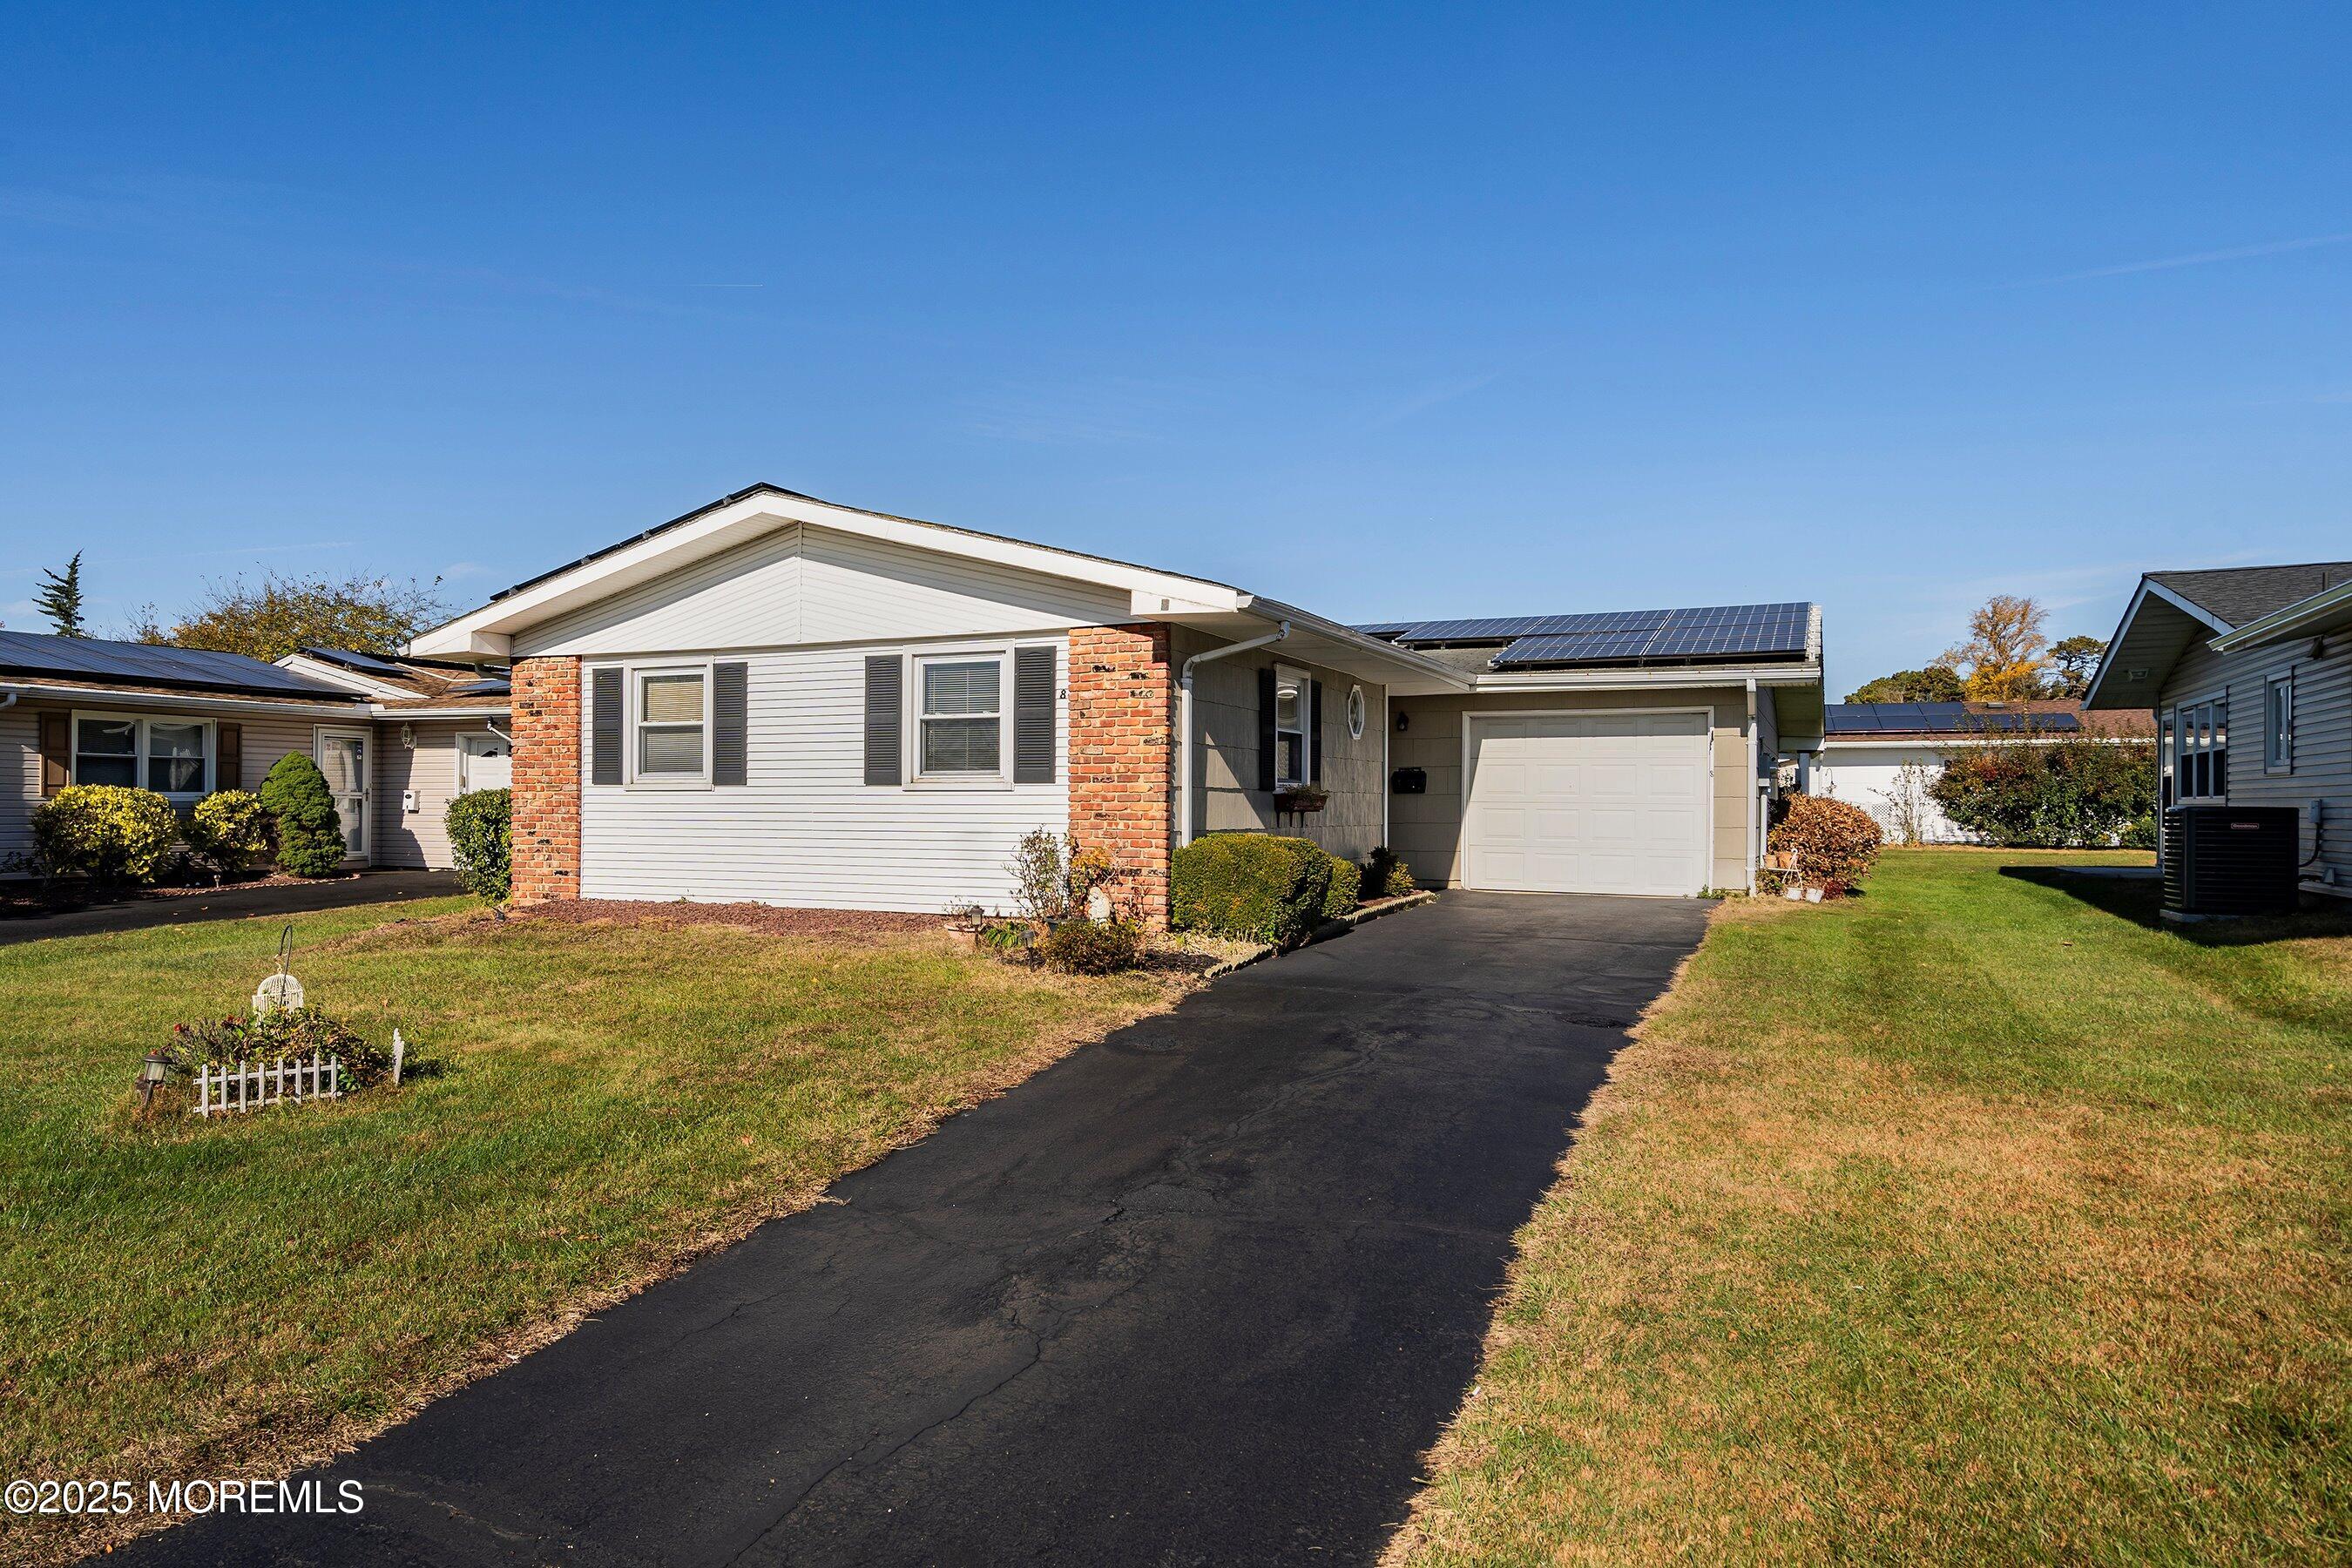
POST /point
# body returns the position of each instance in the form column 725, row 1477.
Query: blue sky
column 1385, row 310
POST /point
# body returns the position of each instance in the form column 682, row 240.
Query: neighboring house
column 778, row 699
column 2269, row 648
column 1881, row 756
column 398, row 738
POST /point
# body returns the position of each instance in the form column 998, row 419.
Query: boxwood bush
column 230, row 828
column 1261, row 887
column 481, row 841
column 1347, row 882
column 111, row 834
column 309, row 833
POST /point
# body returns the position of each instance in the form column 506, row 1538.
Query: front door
column 344, row 757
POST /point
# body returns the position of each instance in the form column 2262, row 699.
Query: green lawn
column 1979, row 1219
column 201, row 1299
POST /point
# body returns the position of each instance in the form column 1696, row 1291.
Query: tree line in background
column 2007, row 658
column 267, row 619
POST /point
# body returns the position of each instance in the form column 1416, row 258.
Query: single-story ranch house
column 778, row 699
column 398, row 738
column 1881, row 756
column 2267, row 646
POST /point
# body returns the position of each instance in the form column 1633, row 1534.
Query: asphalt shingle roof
column 2241, row 595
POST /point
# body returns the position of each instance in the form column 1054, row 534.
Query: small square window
column 175, row 758
column 669, row 725
column 106, row 751
column 963, row 718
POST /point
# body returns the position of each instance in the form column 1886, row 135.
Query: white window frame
column 2278, row 738
column 2187, row 744
column 139, row 722
column 912, row 763
column 1305, row 731
column 1360, row 708
column 631, row 699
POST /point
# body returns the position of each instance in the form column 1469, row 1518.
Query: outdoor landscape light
column 152, row 1074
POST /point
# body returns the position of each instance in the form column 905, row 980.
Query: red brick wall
column 1123, row 718
column 546, row 779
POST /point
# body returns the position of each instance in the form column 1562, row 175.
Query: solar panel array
column 143, row 663
column 1708, row 631
column 1935, row 718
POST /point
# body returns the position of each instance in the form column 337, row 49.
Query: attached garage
column 1596, row 802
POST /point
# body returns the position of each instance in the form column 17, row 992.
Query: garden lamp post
column 152, row 1074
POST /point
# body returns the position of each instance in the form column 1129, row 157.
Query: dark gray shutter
column 605, row 727
column 729, row 702
column 885, row 688
column 1265, row 740
column 228, row 755
column 56, row 752
column 1314, row 731
column 1033, row 715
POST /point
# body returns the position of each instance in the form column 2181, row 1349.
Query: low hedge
column 1259, row 887
column 109, row 833
column 231, row 829
column 481, row 841
column 1347, row 883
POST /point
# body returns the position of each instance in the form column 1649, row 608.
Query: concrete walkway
column 232, row 904
column 1200, row 1294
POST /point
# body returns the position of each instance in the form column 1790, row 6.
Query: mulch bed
column 756, row 917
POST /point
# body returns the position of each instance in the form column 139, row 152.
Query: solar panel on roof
column 1938, row 719
column 368, row 662
column 144, row 663
column 1708, row 631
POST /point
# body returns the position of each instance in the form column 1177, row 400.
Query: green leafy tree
column 309, row 832
column 1934, row 684
column 269, row 619
column 2075, row 658
column 59, row 598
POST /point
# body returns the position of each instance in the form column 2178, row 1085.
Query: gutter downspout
column 1184, row 725
column 1755, row 793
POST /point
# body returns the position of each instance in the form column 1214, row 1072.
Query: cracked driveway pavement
column 1200, row 1294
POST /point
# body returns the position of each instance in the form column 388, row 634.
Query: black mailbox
column 1409, row 781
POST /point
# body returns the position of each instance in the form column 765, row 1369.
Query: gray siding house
column 2247, row 672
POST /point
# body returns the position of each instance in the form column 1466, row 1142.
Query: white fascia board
column 2304, row 617
column 2150, row 588
column 487, row 631
column 356, row 708
column 350, row 680
column 391, row 715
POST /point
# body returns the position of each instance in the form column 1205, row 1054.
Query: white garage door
column 1588, row 802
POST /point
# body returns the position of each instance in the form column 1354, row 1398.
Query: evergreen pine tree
column 59, row 598
column 310, row 831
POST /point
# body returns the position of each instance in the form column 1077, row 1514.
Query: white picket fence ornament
column 230, row 1089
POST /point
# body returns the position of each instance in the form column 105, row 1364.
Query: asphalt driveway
column 232, row 904
column 1200, row 1294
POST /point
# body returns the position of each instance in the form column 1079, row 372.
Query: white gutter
column 355, row 708
column 1755, row 793
column 392, row 714
column 1184, row 725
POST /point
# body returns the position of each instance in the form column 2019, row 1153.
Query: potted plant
column 1301, row 797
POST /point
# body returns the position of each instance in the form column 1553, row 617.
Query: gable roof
column 2236, row 596
column 384, row 677
column 97, row 661
column 2170, row 610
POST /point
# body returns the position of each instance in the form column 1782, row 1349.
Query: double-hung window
column 672, row 744
column 2200, row 746
column 1292, row 765
column 2278, row 724
column 170, row 756
column 959, row 726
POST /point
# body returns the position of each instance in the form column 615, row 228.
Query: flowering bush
column 244, row 1039
column 230, row 829
column 1830, row 840
column 109, row 833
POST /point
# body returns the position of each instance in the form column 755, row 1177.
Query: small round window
column 1355, row 713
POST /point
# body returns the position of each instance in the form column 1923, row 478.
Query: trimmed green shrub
column 2060, row 792
column 481, row 841
column 1260, row 887
column 230, row 828
column 309, row 833
column 109, row 833
column 1347, row 880
column 1092, row 947
column 1387, row 876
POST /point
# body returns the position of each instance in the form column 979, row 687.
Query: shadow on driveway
column 1203, row 1293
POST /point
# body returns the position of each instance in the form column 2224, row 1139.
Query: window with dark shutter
column 1033, row 715
column 605, row 727
column 885, row 692
column 730, row 721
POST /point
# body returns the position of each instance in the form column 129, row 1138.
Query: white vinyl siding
column 804, row 829
column 803, row 584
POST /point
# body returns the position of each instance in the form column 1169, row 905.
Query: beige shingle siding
column 1225, row 768
column 1427, row 829
column 421, row 837
column 2323, row 731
